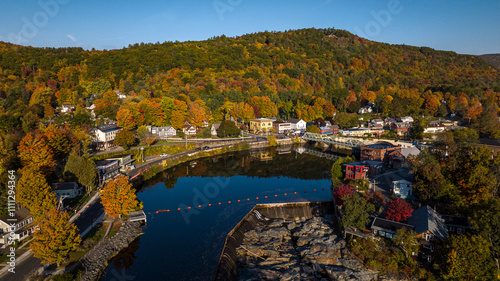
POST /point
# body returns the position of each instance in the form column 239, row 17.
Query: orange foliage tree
column 118, row 197
column 34, row 151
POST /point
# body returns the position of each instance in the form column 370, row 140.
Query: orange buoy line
column 229, row 202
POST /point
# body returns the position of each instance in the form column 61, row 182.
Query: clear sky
column 463, row 26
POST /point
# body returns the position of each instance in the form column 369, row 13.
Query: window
column 459, row 230
column 452, row 228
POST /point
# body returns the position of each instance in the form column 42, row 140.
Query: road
column 30, row 264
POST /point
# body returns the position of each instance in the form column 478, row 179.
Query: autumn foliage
column 398, row 210
column 118, row 197
column 55, row 238
column 34, row 192
column 341, row 191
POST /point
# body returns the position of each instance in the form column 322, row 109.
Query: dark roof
column 64, row 185
column 380, row 145
column 355, row 164
column 426, row 219
column 492, row 142
column 293, row 120
column 114, row 157
column 456, row 221
column 19, row 216
column 388, row 225
column 108, row 127
column 104, row 162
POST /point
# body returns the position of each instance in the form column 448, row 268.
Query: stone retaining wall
column 97, row 259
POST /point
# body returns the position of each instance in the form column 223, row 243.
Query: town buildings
column 261, row 125
column 66, row 189
column 24, row 226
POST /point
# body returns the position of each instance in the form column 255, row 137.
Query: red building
column 356, row 171
column 378, row 151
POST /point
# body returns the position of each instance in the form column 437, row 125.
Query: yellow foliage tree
column 118, row 197
column 34, row 192
column 55, row 238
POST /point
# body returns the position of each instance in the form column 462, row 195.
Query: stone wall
column 97, row 259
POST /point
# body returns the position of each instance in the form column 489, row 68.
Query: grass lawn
column 114, row 229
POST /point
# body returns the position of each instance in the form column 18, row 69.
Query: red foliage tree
column 398, row 210
column 341, row 191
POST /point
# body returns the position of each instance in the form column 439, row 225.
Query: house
column 104, row 135
column 355, row 170
column 189, row 130
column 402, row 189
column 67, row 108
column 376, row 123
column 401, row 128
column 365, row 109
column 435, row 129
column 107, row 169
column 377, row 131
column 388, row 121
column 22, row 224
column 493, row 144
column 297, row 124
column 374, row 167
column 387, row 228
column 213, row 129
column 162, row 132
column 377, row 151
column 335, row 129
column 261, row 125
column 124, row 161
column 430, row 228
column 281, row 127
column 120, row 94
column 449, row 123
column 325, row 130
column 406, row 119
column 66, row 189
column 409, row 151
column 456, row 225
column 394, row 159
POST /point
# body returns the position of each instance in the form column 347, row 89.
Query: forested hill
column 340, row 68
column 493, row 59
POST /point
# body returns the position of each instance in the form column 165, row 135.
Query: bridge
column 336, row 140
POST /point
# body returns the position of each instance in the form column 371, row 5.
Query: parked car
column 163, row 155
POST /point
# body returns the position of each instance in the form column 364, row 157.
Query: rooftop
column 105, row 162
column 426, row 219
column 108, row 127
column 383, row 224
column 19, row 216
column 355, row 164
column 293, row 120
column 380, row 146
column 64, row 185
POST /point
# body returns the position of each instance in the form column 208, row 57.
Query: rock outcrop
column 298, row 250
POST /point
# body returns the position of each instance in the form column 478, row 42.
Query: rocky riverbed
column 298, row 250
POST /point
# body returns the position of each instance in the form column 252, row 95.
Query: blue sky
column 463, row 26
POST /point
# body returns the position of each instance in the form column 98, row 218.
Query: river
column 186, row 244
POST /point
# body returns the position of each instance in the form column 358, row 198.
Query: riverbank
column 96, row 260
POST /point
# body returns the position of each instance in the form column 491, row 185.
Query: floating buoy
column 178, row 209
column 220, row 203
column 257, row 198
column 157, row 212
column 275, row 195
column 295, row 192
column 229, row 202
column 168, row 210
column 266, row 197
column 209, row 205
column 304, row 191
column 323, row 189
column 248, row 199
column 189, row 207
column 238, row 200
column 199, row 206
column 315, row 190
column 285, row 194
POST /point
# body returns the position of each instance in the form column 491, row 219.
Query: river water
column 186, row 244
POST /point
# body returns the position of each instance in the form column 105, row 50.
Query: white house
column 378, row 122
column 434, row 129
column 213, row 130
column 23, row 226
column 120, row 94
column 406, row 119
column 66, row 189
column 163, row 132
column 189, row 130
column 297, row 124
column 402, row 189
column 106, row 133
column 67, row 108
column 365, row 109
